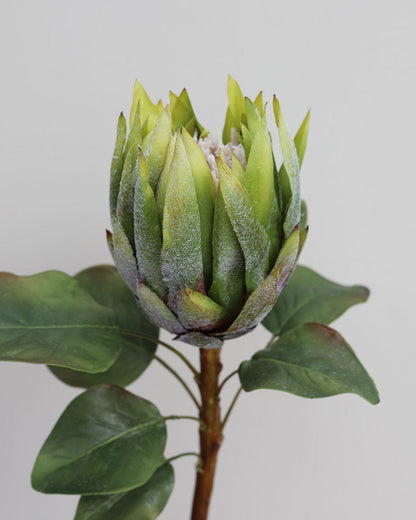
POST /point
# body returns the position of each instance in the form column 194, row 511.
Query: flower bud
column 205, row 235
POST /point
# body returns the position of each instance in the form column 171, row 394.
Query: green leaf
column 310, row 297
column 250, row 233
column 106, row 286
column 143, row 503
column 310, row 361
column 106, row 441
column 50, row 318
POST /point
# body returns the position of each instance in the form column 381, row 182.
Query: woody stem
column 210, row 435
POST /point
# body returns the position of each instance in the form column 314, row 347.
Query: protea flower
column 205, row 235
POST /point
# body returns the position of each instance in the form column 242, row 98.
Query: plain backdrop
column 68, row 68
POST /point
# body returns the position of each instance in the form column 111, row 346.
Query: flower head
column 205, row 234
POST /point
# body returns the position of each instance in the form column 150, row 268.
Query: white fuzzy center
column 211, row 149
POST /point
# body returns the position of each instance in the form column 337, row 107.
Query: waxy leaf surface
column 310, row 297
column 106, row 286
column 50, row 318
column 309, row 361
column 143, row 503
column 106, row 441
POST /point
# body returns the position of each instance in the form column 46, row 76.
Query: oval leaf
column 310, row 361
column 144, row 503
column 310, row 297
column 106, row 441
column 49, row 318
column 106, row 286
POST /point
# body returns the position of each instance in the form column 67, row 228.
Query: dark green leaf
column 144, row 503
column 106, row 441
column 107, row 287
column 310, row 361
column 310, row 297
column 50, row 318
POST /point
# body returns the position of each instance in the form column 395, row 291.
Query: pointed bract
column 198, row 312
column 205, row 235
column 117, row 163
column 124, row 255
column 155, row 149
column 250, row 233
column 182, row 247
column 291, row 166
column 261, row 302
column 147, row 231
column 156, row 311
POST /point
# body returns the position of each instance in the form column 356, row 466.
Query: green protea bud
column 205, row 235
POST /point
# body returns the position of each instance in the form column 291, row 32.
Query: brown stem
column 210, row 435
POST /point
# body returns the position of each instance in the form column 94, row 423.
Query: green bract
column 205, row 235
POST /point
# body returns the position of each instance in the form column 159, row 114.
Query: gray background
column 68, row 69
